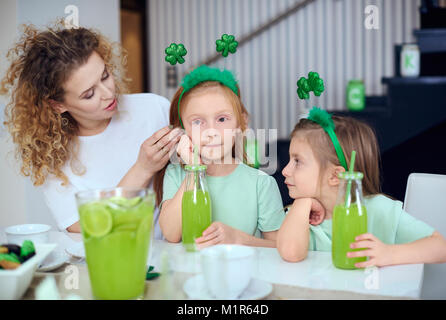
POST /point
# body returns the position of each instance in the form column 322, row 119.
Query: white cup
column 227, row 269
column 37, row 233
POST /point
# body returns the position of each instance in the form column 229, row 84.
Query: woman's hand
column 379, row 253
column 218, row 233
column 185, row 150
column 154, row 152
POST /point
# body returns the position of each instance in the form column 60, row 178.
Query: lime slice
column 124, row 202
column 95, row 219
column 126, row 227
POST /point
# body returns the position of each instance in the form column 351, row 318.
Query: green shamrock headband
column 323, row 118
column 225, row 45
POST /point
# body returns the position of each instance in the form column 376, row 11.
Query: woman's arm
column 154, row 154
column 136, row 177
column 431, row 249
column 294, row 234
column 76, row 228
column 170, row 216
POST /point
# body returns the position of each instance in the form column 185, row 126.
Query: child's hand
column 218, row 233
column 317, row 213
column 313, row 207
column 379, row 253
column 185, row 150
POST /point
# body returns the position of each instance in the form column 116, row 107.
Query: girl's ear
column 57, row 106
column 333, row 179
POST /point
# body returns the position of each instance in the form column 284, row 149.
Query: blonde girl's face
column 302, row 171
column 209, row 119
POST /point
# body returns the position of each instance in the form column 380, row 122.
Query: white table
column 315, row 272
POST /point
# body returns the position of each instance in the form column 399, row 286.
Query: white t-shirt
column 108, row 156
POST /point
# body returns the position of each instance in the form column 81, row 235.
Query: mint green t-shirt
column 386, row 220
column 247, row 199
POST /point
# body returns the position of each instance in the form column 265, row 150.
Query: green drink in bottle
column 196, row 206
column 349, row 220
column 116, row 230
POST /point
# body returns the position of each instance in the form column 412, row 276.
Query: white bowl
column 13, row 283
column 37, row 233
column 227, row 269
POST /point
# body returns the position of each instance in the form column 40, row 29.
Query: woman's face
column 208, row 118
column 302, row 172
column 90, row 95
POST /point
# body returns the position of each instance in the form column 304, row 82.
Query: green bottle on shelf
column 355, row 95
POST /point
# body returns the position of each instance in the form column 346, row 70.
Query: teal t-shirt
column 247, row 199
column 386, row 220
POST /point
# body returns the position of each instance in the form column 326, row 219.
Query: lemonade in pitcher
column 116, row 228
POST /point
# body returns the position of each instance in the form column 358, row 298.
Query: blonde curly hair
column 41, row 62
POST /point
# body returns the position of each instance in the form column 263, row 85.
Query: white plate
column 54, row 260
column 76, row 250
column 195, row 288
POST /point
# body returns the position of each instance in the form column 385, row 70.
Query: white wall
column 12, row 186
column 101, row 14
column 20, row 201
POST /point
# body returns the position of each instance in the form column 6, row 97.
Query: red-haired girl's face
column 90, row 96
column 209, row 119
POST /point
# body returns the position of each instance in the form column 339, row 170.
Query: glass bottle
column 196, row 208
column 349, row 219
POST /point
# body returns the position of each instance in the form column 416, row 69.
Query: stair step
column 431, row 40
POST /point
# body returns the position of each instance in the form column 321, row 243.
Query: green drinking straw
column 349, row 184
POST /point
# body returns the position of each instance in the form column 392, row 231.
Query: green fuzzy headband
column 323, row 118
column 204, row 73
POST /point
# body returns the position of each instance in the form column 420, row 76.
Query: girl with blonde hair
column 317, row 156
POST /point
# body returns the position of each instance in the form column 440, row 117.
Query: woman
column 72, row 126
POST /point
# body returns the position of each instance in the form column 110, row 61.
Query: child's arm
column 294, row 234
column 170, row 216
column 431, row 249
column 218, row 233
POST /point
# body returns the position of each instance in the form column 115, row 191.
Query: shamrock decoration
column 175, row 53
column 313, row 83
column 316, row 83
column 303, row 88
column 152, row 275
column 226, row 44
